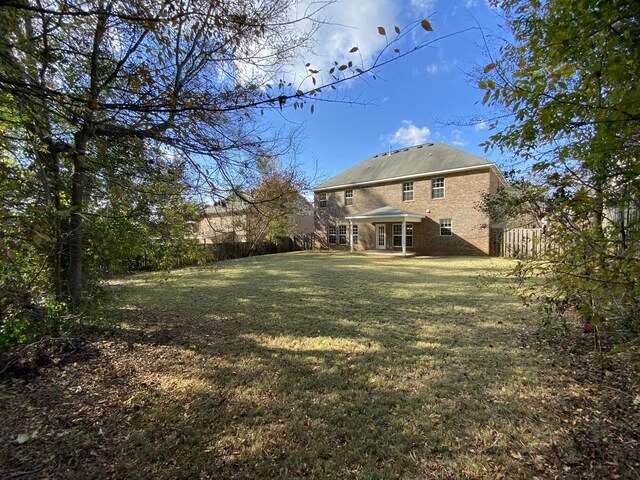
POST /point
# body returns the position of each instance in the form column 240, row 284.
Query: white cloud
column 470, row 3
column 351, row 23
column 433, row 68
column 457, row 139
column 424, row 7
column 341, row 25
column 481, row 125
column 337, row 27
column 407, row 135
column 440, row 67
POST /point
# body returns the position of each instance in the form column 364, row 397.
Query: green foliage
column 24, row 270
column 520, row 204
column 137, row 216
column 140, row 215
column 571, row 81
column 571, row 74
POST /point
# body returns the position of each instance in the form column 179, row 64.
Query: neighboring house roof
column 236, row 205
column 428, row 159
column 385, row 214
column 232, row 205
column 226, row 208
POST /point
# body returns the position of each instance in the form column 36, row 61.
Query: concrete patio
column 384, row 253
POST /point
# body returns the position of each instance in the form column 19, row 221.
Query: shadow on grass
column 317, row 365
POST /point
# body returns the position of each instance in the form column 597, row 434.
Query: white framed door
column 381, row 237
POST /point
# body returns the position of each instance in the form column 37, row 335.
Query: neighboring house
column 303, row 216
column 422, row 199
column 224, row 221
column 231, row 220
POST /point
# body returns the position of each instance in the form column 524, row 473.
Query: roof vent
column 430, row 144
column 419, row 146
column 375, row 156
column 406, row 149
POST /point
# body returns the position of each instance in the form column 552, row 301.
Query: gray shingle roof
column 430, row 158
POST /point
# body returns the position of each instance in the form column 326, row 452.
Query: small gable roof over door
column 384, row 215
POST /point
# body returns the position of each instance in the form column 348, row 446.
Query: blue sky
column 417, row 99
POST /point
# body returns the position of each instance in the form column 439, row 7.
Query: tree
column 571, row 83
column 191, row 78
column 138, row 215
column 275, row 197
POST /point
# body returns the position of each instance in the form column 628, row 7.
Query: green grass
column 313, row 365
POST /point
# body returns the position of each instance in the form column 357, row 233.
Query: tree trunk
column 75, row 230
column 48, row 161
column 57, row 229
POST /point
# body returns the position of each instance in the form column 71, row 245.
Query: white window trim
column 342, row 236
column 407, row 191
column 393, row 235
column 322, row 197
column 450, row 227
column 334, row 234
column 348, row 200
column 442, row 188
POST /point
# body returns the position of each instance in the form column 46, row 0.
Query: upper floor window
column 348, row 197
column 407, row 191
column 445, row 227
column 331, row 230
column 322, row 200
column 437, row 187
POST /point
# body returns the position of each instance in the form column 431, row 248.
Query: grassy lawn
column 309, row 365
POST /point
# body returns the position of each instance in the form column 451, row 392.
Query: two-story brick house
column 422, row 199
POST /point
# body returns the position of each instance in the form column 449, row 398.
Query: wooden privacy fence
column 518, row 242
column 231, row 250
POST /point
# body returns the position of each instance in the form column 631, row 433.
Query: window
column 407, row 191
column 332, row 233
column 322, row 200
column 348, row 197
column 437, row 187
column 397, row 235
column 354, row 233
column 342, row 234
column 445, row 227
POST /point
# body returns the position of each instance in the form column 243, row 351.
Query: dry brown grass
column 317, row 365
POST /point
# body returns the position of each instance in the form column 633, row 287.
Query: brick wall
column 463, row 192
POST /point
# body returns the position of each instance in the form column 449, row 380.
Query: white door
column 382, row 237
